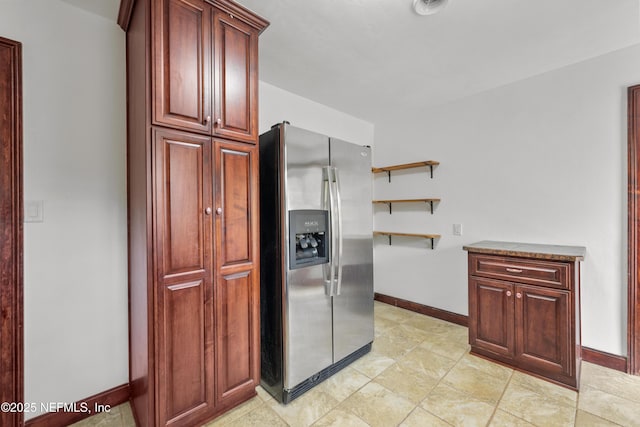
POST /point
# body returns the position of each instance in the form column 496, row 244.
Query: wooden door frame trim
column 11, row 297
column 633, row 191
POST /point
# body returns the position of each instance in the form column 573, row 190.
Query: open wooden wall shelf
column 431, row 237
column 390, row 202
column 429, row 163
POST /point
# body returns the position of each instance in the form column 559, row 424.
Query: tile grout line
column 457, row 360
column 277, row 414
column 419, row 405
column 597, row 415
column 495, row 408
column 575, row 417
column 354, row 392
column 408, row 322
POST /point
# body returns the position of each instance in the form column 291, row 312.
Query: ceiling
column 372, row 58
column 105, row 8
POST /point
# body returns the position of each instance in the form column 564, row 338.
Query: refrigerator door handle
column 337, row 220
column 328, row 203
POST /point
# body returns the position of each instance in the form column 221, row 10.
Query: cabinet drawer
column 545, row 273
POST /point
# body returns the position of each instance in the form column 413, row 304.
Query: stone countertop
column 529, row 250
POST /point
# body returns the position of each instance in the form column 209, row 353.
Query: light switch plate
column 457, row 229
column 34, row 211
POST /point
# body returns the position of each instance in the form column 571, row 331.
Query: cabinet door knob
column 219, row 211
column 518, row 295
column 208, row 211
column 207, row 119
column 218, row 121
column 508, row 293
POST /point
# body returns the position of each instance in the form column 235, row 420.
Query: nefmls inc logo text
column 76, row 407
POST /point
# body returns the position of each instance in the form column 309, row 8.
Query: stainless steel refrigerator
column 316, row 272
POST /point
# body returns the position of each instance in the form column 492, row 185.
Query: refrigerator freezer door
column 353, row 306
column 307, row 312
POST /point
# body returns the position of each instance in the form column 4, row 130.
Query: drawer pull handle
column 514, row 270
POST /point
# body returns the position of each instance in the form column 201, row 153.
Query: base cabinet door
column 543, row 326
column 235, row 331
column 237, row 292
column 184, row 281
column 491, row 316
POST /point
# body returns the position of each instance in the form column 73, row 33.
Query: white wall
column 278, row 105
column 542, row 160
column 75, row 286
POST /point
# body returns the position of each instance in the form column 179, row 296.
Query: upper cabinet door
column 182, row 64
column 236, row 79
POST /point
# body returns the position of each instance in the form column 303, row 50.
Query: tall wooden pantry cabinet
column 192, row 82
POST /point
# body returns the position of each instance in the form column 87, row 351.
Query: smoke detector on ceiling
column 428, row 7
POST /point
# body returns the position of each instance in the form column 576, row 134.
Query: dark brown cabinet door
column 543, row 324
column 491, row 316
column 236, row 79
column 237, row 292
column 184, row 289
column 182, row 64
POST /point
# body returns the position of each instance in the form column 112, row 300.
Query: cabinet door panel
column 184, row 290
column 542, row 319
column 234, row 328
column 491, row 315
column 184, row 377
column 237, row 202
column 236, row 76
column 183, row 243
column 182, row 90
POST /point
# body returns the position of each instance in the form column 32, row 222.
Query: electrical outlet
column 457, row 229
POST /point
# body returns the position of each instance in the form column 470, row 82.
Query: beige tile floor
column 420, row 373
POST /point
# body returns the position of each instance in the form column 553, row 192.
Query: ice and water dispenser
column 308, row 238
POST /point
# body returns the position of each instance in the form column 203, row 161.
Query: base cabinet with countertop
column 524, row 307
